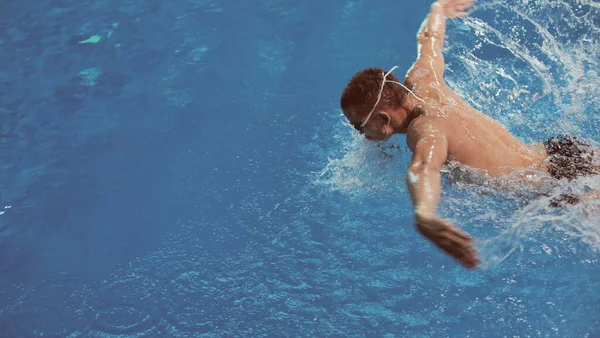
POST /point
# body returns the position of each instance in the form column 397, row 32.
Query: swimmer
column 441, row 127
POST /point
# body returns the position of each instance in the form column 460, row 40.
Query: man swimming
column 441, row 127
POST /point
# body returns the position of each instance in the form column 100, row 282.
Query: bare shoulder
column 420, row 74
column 425, row 126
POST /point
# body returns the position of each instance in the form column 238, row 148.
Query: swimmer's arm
column 430, row 40
column 423, row 176
column 424, row 181
column 433, row 30
column 430, row 37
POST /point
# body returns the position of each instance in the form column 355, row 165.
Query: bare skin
column 440, row 126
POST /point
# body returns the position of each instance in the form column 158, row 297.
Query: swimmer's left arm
column 423, row 176
column 424, row 181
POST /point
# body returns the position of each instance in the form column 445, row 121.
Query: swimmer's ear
column 386, row 118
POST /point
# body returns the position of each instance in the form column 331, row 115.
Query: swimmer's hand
column 449, row 238
column 455, row 8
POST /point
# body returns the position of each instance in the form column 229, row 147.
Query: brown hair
column 362, row 90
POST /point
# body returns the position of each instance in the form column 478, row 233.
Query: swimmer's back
column 474, row 139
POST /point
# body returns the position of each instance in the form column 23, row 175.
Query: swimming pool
column 182, row 169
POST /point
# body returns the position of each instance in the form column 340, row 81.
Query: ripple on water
column 191, row 298
column 125, row 305
column 50, row 308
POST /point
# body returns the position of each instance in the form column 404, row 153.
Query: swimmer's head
column 372, row 103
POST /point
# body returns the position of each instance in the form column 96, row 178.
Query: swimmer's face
column 377, row 128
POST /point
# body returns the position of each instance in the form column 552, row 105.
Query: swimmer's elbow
column 423, row 167
column 428, row 36
column 419, row 170
column 434, row 26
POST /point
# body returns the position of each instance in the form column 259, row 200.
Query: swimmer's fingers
column 461, row 245
column 456, row 8
column 468, row 256
column 465, row 4
column 462, row 4
column 454, row 231
column 461, row 248
column 449, row 239
column 459, row 15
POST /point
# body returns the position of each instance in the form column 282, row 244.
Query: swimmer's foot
column 591, row 196
column 450, row 239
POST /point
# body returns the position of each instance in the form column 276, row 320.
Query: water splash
column 532, row 65
column 538, row 61
column 356, row 167
column 539, row 224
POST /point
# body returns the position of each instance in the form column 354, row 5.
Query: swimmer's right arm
column 424, row 181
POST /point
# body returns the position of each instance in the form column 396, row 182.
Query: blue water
column 190, row 174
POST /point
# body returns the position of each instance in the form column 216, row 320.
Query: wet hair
column 362, row 91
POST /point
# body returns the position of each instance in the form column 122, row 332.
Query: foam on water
column 532, row 65
column 362, row 166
